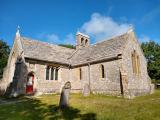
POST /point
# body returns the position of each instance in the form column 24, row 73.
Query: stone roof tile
column 44, row 51
column 105, row 49
column 54, row 53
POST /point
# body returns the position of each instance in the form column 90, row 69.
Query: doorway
column 30, row 83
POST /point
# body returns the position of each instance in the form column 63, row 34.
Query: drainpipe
column 89, row 76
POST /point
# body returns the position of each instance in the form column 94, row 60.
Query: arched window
column 82, row 41
column 47, row 73
column 102, row 71
column 52, row 73
column 138, row 65
column 80, row 73
column 135, row 62
column 56, row 74
column 86, row 42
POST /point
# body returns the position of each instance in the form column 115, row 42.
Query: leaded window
column 52, row 73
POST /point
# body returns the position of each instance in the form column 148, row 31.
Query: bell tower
column 82, row 40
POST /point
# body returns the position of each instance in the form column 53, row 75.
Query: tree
column 68, row 46
column 152, row 53
column 4, row 53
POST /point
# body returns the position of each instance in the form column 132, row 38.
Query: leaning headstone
column 64, row 98
column 86, row 90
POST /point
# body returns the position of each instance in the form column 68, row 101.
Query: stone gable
column 81, row 67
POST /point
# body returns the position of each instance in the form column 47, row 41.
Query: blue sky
column 57, row 21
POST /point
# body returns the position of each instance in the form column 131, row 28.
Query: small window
column 138, row 65
column 80, row 73
column 102, row 71
column 86, row 42
column 56, row 74
column 52, row 73
column 47, row 73
column 82, row 40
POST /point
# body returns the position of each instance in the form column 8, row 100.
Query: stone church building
column 116, row 66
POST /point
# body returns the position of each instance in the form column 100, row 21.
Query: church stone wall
column 8, row 72
column 109, row 85
column 136, row 84
column 76, row 82
column 40, row 82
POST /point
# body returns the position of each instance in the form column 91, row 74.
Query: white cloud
column 102, row 27
column 52, row 38
column 99, row 27
column 70, row 39
column 144, row 38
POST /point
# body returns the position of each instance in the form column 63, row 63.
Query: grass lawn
column 99, row 107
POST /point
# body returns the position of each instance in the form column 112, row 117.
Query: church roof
column 103, row 50
column 49, row 52
column 44, row 51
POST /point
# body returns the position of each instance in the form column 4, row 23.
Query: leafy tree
column 152, row 54
column 4, row 53
column 67, row 46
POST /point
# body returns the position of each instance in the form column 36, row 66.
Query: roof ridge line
column 73, row 53
column 45, row 42
column 111, row 38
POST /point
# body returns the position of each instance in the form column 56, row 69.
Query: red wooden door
column 29, row 85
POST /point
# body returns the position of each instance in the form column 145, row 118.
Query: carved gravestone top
column 67, row 85
column 64, row 98
column 86, row 90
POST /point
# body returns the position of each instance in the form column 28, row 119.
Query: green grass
column 99, row 107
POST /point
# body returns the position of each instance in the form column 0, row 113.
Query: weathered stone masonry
column 106, row 67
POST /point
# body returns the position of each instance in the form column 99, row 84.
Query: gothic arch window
column 135, row 62
column 102, row 71
column 138, row 65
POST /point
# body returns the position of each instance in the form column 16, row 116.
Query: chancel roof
column 53, row 53
column 102, row 50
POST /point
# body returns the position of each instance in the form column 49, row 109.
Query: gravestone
column 86, row 90
column 64, row 98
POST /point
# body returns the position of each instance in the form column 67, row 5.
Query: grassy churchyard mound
column 94, row 107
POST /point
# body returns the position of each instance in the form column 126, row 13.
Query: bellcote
column 82, row 40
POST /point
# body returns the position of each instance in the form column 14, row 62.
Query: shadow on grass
column 34, row 109
column 70, row 113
